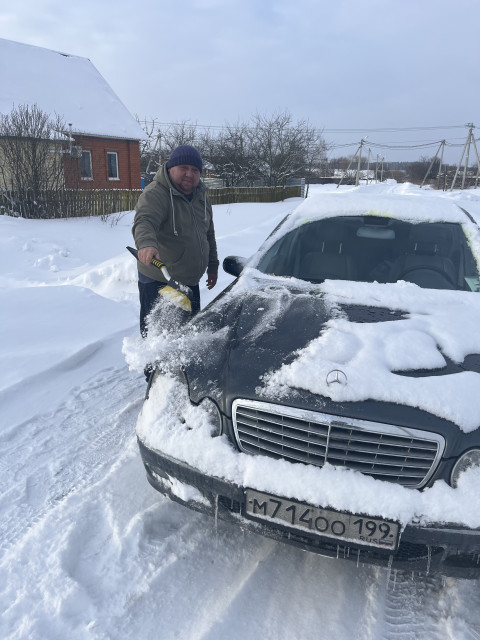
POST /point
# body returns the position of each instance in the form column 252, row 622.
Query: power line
column 386, row 145
column 394, row 129
column 413, row 146
column 323, row 130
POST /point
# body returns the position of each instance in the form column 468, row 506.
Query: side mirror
column 234, row 265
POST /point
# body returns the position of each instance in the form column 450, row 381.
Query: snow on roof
column 383, row 200
column 63, row 84
column 380, row 203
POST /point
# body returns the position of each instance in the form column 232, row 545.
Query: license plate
column 324, row 523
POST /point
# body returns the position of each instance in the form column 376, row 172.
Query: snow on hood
column 437, row 323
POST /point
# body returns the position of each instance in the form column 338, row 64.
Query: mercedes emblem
column 336, row 376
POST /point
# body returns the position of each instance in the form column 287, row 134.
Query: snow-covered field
column 88, row 549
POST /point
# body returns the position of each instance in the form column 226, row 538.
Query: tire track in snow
column 419, row 607
column 192, row 567
column 114, row 550
column 54, row 454
column 407, row 611
column 57, row 480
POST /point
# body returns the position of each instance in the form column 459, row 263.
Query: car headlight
column 177, row 373
column 214, row 414
column 207, row 404
column 466, row 461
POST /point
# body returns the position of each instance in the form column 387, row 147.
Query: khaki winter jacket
column 180, row 229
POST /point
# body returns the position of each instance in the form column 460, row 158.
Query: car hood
column 255, row 332
column 260, row 332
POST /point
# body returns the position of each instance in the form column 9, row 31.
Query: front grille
column 397, row 454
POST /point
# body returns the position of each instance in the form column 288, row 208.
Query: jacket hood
column 164, row 180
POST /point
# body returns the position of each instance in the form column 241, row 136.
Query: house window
column 112, row 164
column 86, row 166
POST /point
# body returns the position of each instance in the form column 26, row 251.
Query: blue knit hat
column 185, row 154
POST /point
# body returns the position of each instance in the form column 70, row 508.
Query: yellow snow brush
column 178, row 294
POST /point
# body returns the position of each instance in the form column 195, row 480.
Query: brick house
column 105, row 163
column 104, row 150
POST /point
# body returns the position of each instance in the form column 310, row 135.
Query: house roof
column 63, row 84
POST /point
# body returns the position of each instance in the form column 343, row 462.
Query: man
column 173, row 223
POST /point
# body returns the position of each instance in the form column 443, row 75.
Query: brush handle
column 156, row 263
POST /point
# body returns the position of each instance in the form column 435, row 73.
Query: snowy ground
column 88, row 549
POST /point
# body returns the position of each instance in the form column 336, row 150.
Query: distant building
column 104, row 149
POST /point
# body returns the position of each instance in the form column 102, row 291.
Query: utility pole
column 466, row 149
column 478, row 161
column 358, row 151
column 467, row 157
column 442, row 146
column 157, row 142
column 347, row 169
column 357, row 178
column 444, row 142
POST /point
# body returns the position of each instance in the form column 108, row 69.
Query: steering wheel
column 431, row 268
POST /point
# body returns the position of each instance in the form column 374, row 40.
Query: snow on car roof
column 375, row 201
column 407, row 207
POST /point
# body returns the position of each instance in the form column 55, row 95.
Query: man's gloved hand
column 211, row 280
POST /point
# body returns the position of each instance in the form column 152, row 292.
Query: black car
column 327, row 397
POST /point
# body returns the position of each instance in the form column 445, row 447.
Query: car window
column 432, row 255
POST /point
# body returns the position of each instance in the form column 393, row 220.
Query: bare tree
column 32, row 149
column 179, row 133
column 162, row 140
column 417, row 171
column 267, row 149
column 149, row 148
column 284, row 148
column 316, row 154
column 230, row 155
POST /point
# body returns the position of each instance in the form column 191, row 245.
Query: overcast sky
column 342, row 65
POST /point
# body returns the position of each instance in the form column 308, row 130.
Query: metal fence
column 79, row 203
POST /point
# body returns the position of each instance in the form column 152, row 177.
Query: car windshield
column 432, row 255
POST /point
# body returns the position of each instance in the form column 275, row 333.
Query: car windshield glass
column 375, row 249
